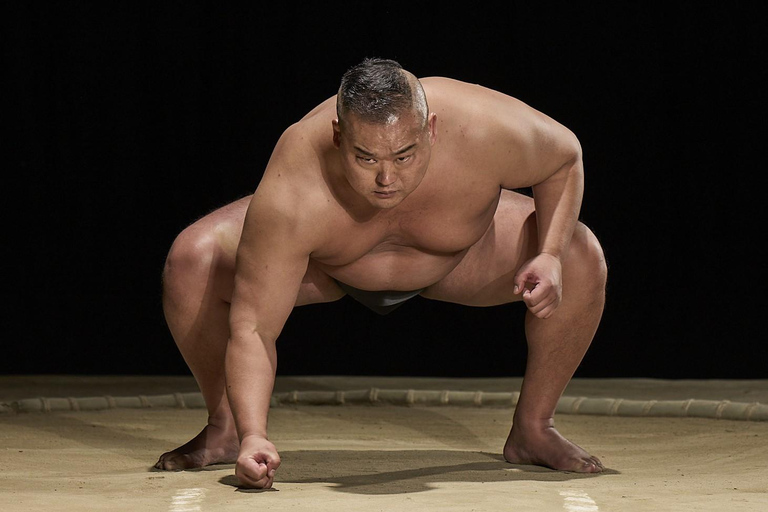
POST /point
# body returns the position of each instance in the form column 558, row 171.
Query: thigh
column 220, row 231
column 485, row 275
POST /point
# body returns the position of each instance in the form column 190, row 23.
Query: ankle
column 223, row 423
column 525, row 423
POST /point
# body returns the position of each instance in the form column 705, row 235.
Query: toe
column 592, row 465
column 175, row 463
column 169, row 463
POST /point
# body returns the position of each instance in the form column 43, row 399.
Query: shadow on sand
column 403, row 471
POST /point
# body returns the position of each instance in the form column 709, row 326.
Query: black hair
column 378, row 89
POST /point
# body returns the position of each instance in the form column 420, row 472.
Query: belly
column 402, row 268
column 411, row 252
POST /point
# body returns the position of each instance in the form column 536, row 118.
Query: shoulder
column 455, row 94
column 292, row 197
column 484, row 106
column 489, row 116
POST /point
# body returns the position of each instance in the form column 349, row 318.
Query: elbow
column 574, row 157
column 573, row 150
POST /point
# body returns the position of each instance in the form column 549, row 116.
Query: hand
column 257, row 462
column 540, row 282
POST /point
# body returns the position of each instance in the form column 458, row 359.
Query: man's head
column 384, row 131
column 379, row 91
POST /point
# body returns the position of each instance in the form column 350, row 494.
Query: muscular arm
column 558, row 201
column 271, row 262
column 553, row 166
column 519, row 147
column 558, row 196
column 528, row 149
column 270, row 266
column 272, row 259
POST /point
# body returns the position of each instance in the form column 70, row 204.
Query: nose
column 386, row 176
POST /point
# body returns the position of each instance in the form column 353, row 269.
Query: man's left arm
column 529, row 149
column 557, row 190
column 558, row 202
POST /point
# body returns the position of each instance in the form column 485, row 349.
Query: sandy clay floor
column 381, row 457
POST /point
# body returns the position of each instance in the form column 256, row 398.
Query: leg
column 197, row 289
column 556, row 345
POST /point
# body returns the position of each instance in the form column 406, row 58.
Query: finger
column 550, row 308
column 269, row 477
column 543, row 306
column 527, row 299
column 269, row 473
column 266, row 483
column 248, row 482
column 273, row 464
column 263, row 483
column 520, row 280
column 252, row 473
column 546, row 312
column 533, row 297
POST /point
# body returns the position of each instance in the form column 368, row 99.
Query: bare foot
column 213, row 445
column 544, row 446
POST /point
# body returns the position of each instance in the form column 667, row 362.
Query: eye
column 366, row 159
column 404, row 159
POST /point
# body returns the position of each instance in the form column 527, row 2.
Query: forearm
column 558, row 202
column 250, row 366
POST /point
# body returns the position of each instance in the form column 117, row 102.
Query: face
column 384, row 163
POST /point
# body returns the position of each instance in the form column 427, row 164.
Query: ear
column 336, row 133
column 432, row 122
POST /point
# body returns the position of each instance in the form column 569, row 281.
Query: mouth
column 384, row 193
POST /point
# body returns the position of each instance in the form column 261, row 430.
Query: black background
column 128, row 121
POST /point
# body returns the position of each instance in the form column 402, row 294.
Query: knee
column 586, row 254
column 189, row 259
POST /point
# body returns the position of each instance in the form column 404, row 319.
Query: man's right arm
column 271, row 261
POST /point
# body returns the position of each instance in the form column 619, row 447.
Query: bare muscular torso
column 338, row 201
column 418, row 242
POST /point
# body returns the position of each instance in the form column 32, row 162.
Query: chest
column 443, row 224
column 445, row 227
